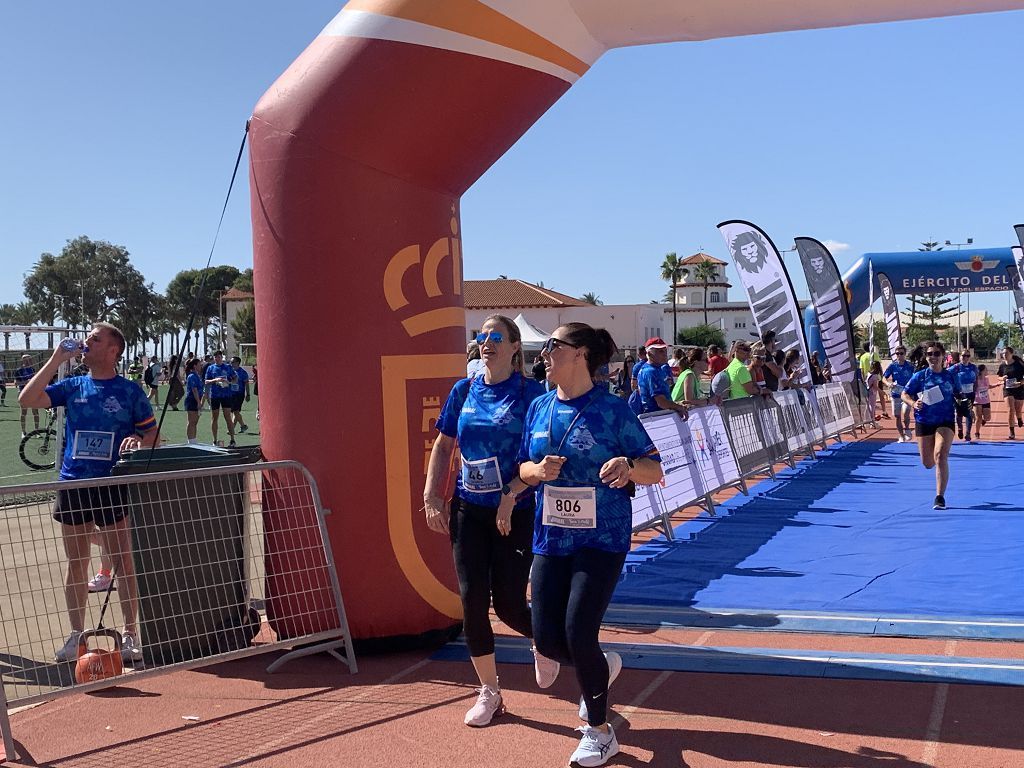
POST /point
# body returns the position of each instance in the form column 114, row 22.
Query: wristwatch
column 506, row 490
column 629, row 462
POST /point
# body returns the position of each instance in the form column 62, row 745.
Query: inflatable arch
column 360, row 152
column 966, row 271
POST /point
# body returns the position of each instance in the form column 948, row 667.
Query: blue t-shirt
column 23, row 376
column 604, row 428
column 214, row 371
column 651, row 381
column 670, row 376
column 98, row 415
column 193, row 383
column 966, row 375
column 942, row 412
column 636, row 369
column 900, row 374
column 242, row 378
column 487, row 419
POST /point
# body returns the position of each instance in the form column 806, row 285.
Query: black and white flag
column 830, row 307
column 1019, row 229
column 1015, row 272
column 769, row 290
column 891, row 312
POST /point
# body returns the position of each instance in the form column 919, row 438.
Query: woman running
column 982, row 402
column 583, row 449
column 966, row 373
column 687, row 389
column 930, row 393
column 898, row 372
column 1011, row 370
column 490, row 519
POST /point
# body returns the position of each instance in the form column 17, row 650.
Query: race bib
column 570, row 507
column 481, row 475
column 1010, row 383
column 967, row 388
column 931, row 396
column 96, row 446
column 897, row 390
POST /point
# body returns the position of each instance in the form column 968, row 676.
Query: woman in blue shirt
column 966, row 374
column 930, row 392
column 583, row 448
column 490, row 518
column 193, row 398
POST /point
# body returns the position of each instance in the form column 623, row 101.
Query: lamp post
column 970, row 241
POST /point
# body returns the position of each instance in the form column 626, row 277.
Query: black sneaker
column 1012, row 435
column 1020, row 422
column 940, row 503
column 960, row 433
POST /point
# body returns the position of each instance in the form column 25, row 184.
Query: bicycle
column 38, row 447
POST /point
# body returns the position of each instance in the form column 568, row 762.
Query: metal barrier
column 746, row 434
column 197, row 573
column 798, row 435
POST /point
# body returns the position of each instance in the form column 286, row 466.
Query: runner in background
column 966, row 373
column 982, row 402
column 239, row 394
column 898, row 372
column 930, row 393
column 1011, row 370
column 218, row 378
column 582, row 449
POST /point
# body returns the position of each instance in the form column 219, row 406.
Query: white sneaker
column 99, row 582
column 68, row 651
column 595, row 747
column 545, row 669
column 488, row 705
column 131, row 649
column 614, row 667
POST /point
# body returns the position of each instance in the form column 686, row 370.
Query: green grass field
column 14, row 472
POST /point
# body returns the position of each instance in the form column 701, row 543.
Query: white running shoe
column 99, row 582
column 614, row 667
column 488, row 705
column 595, row 747
column 131, row 649
column 68, row 651
column 545, row 669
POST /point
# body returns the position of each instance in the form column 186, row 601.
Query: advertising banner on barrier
column 711, row 448
column 891, row 312
column 794, row 421
column 830, row 306
column 768, row 287
column 682, row 484
column 743, row 425
column 771, row 427
column 827, row 409
column 842, row 405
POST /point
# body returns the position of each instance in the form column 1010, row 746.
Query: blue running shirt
column 238, row 385
column 900, row 374
column 652, row 381
column 98, row 416
column 604, row 428
column 942, row 412
column 487, row 420
column 213, row 371
column 966, row 375
column 193, row 382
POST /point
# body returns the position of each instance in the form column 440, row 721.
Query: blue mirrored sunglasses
column 494, row 337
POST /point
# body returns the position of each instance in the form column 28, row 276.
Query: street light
column 970, row 241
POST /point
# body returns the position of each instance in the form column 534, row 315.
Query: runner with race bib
column 899, row 372
column 583, row 448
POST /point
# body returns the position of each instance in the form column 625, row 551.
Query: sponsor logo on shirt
column 110, row 405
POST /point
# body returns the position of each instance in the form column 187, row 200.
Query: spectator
column 740, row 383
column 653, row 388
column 239, row 394
column 22, row 377
column 716, row 360
column 219, row 377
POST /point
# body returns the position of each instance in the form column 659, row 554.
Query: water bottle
column 71, row 345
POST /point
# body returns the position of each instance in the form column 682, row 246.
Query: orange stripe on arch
column 473, row 18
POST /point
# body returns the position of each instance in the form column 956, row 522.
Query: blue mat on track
column 853, row 533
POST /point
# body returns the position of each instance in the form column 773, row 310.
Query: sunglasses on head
column 552, row 344
column 494, row 337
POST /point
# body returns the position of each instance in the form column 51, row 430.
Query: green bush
column 701, row 336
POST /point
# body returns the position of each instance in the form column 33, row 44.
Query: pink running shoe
column 488, row 705
column 545, row 669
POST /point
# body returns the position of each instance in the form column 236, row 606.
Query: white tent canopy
column 533, row 337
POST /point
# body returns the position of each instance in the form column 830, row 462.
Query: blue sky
column 122, row 120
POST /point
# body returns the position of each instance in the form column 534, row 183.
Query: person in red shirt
column 716, row 360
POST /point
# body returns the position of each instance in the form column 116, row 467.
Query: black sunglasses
column 552, row 344
column 935, row 353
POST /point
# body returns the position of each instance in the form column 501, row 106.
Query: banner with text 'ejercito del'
column 830, row 307
column 769, row 290
column 891, row 312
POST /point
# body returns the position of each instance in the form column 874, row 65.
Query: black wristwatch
column 506, row 490
column 629, row 461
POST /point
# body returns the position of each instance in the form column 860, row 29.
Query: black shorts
column 1017, row 393
column 924, row 430
column 220, row 402
column 103, row 506
column 191, row 404
column 236, row 402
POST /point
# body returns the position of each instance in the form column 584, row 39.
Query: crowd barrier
column 214, row 574
column 718, row 447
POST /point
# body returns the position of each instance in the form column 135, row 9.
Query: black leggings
column 487, row 563
column 969, row 416
column 570, row 595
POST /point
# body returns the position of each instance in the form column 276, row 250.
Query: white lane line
column 622, row 715
column 934, row 730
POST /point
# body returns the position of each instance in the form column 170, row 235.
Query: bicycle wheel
column 38, row 449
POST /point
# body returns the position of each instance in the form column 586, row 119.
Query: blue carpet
column 853, row 533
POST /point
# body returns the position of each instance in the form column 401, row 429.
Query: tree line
column 93, row 280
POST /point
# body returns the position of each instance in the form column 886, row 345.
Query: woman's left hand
column 615, row 472
column 504, row 517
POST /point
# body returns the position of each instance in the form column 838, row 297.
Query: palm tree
column 7, row 313
column 670, row 270
column 25, row 314
column 705, row 272
column 591, row 298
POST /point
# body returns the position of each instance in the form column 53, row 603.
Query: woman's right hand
column 545, row 470
column 437, row 517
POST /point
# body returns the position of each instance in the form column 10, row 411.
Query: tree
column 705, row 272
column 880, row 337
column 244, row 281
column 933, row 311
column 25, row 314
column 182, row 294
column 7, row 313
column 701, row 336
column 671, row 268
column 244, row 324
column 915, row 298
column 591, row 298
